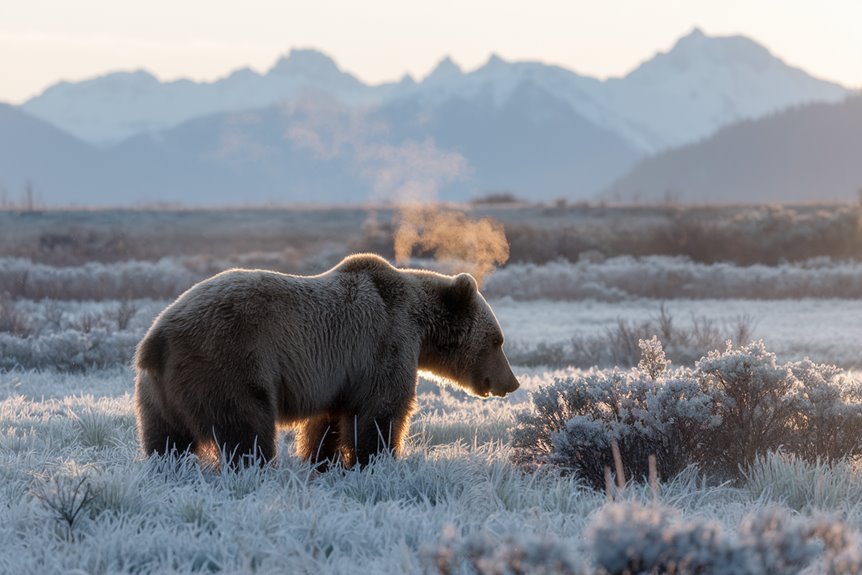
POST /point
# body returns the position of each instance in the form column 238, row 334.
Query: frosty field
column 76, row 496
column 456, row 481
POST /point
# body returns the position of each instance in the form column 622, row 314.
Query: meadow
column 513, row 485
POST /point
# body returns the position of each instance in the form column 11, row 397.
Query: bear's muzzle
column 509, row 387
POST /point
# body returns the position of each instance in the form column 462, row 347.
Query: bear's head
column 466, row 343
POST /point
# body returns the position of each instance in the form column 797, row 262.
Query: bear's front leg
column 367, row 435
column 378, row 417
column 319, row 441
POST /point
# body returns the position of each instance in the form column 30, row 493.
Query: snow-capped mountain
column 681, row 96
column 705, row 83
column 699, row 86
column 309, row 131
column 110, row 108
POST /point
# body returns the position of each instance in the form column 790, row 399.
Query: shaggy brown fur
column 335, row 353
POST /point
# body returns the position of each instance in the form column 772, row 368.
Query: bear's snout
column 507, row 387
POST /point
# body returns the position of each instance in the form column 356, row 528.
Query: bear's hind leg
column 319, row 441
column 244, row 435
column 245, row 445
column 157, row 436
column 156, row 433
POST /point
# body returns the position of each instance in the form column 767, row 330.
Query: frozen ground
column 76, row 496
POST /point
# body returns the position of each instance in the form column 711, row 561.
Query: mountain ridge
column 306, row 130
column 112, row 107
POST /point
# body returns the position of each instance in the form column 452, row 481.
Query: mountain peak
column 305, row 61
column 696, row 35
column 697, row 51
column 407, row 80
column 139, row 76
column 446, row 69
column 494, row 61
column 240, row 74
column 735, row 48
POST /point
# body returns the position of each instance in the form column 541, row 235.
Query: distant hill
column 807, row 154
column 56, row 164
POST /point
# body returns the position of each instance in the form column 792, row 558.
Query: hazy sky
column 44, row 41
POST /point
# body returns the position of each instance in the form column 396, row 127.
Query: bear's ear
column 461, row 291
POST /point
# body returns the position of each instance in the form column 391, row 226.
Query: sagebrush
column 720, row 415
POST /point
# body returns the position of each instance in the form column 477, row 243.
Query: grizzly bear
column 336, row 354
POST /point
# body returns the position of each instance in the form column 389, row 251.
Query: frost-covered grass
column 76, row 494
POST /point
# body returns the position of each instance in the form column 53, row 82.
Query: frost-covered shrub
column 663, row 277
column 829, row 412
column 629, row 538
column 11, row 319
column 733, row 406
column 756, row 399
column 65, row 496
column 574, row 423
column 811, row 410
column 773, row 233
column 684, row 345
column 75, row 336
column 166, row 278
column 653, row 359
column 52, row 316
column 847, row 562
column 484, row 554
column 612, row 279
column 751, row 234
column 68, row 350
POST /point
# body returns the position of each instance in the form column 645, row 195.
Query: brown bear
column 336, row 354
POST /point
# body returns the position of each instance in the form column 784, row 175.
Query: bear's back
column 362, row 293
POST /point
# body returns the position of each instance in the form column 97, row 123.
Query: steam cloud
column 409, row 174
column 456, row 240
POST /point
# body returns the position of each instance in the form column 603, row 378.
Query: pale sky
column 42, row 42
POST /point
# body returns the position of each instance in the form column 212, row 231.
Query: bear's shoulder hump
column 363, row 263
